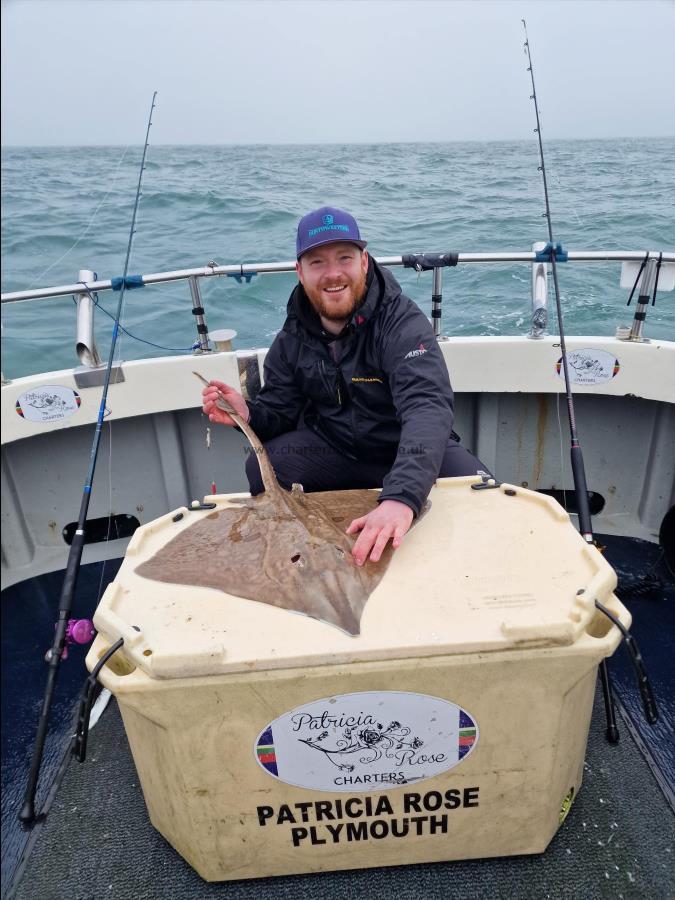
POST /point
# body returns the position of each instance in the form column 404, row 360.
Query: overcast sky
column 287, row 71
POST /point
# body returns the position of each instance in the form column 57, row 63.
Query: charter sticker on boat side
column 589, row 366
column 366, row 741
column 49, row 403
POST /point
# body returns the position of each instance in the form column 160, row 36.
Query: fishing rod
column 55, row 654
column 578, row 471
column 550, row 253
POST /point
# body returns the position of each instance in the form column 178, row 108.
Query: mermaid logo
column 49, row 403
column 370, row 743
column 366, row 741
column 327, row 220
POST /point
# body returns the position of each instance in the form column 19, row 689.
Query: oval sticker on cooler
column 50, row 403
column 589, row 366
column 366, row 741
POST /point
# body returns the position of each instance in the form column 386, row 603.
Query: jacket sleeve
column 423, row 399
column 279, row 403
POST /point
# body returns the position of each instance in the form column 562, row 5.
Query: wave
column 243, row 203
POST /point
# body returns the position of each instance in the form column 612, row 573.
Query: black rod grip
column 580, row 489
column 648, row 699
column 612, row 732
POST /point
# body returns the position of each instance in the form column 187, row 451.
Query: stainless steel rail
column 267, row 268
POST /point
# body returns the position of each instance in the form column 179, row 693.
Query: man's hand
column 391, row 520
column 210, row 395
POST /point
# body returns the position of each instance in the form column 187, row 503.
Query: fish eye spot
column 340, row 552
column 295, row 558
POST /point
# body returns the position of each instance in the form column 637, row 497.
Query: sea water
column 70, row 208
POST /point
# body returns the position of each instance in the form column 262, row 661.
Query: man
column 357, row 364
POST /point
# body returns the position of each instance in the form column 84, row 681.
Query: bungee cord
column 54, row 655
column 126, row 331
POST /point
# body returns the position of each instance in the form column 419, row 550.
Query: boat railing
column 642, row 271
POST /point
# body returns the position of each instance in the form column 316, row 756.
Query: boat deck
column 617, row 841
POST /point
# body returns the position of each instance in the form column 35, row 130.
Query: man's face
column 334, row 279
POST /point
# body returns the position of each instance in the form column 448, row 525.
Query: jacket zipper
column 326, row 382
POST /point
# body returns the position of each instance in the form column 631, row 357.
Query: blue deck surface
column 29, row 611
column 653, row 628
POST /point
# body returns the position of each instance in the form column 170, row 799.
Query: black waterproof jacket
column 387, row 398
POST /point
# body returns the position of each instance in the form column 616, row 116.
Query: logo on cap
column 324, row 226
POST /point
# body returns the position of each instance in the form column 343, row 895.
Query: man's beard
column 338, row 311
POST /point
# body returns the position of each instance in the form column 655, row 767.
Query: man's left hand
column 391, row 520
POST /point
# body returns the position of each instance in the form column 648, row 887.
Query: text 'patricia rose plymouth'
column 368, row 818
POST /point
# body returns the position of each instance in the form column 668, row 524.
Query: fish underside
column 285, row 548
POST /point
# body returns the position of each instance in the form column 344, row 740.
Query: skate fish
column 285, row 548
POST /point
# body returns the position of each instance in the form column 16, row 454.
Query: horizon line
column 343, row 143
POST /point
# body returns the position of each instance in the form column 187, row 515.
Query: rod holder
column 436, row 300
column 85, row 343
column 198, row 313
column 539, row 315
column 645, row 290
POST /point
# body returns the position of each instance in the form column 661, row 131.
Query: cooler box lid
column 484, row 570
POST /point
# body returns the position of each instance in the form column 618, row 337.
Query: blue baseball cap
column 326, row 226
